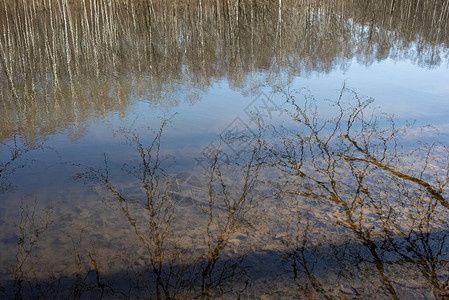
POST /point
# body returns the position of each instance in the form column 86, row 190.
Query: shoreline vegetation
column 64, row 61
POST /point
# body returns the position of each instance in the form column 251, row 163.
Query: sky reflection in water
column 246, row 151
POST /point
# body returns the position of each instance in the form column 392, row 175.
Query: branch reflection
column 352, row 176
column 338, row 202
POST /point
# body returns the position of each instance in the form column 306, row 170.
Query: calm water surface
column 252, row 149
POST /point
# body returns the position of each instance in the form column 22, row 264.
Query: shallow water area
column 190, row 149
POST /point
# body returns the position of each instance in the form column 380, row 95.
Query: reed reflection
column 63, row 62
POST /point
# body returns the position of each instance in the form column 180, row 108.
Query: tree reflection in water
column 62, row 62
column 346, row 205
column 387, row 206
column 151, row 211
column 340, row 206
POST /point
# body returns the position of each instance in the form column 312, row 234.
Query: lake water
column 202, row 149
